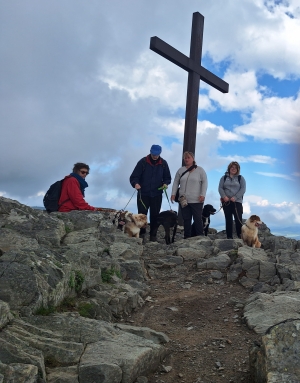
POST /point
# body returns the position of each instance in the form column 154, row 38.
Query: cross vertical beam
column 192, row 65
column 192, row 98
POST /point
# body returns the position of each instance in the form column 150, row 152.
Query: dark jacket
column 151, row 177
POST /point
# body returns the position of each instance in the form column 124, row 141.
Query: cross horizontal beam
column 167, row 51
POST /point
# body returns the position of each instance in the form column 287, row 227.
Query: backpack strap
column 239, row 178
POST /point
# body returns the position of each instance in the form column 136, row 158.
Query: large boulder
column 251, row 266
column 276, row 359
column 263, row 311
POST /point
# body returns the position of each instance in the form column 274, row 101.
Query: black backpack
column 52, row 196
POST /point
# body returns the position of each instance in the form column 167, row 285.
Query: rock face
column 87, row 276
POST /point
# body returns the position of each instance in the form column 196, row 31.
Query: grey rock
column 67, row 374
column 278, row 243
column 5, row 314
column 141, row 379
column 276, row 360
column 45, row 259
column 227, row 244
column 19, row 373
column 190, row 253
column 288, row 265
column 220, row 262
column 252, row 264
column 263, row 311
column 132, row 270
column 144, row 332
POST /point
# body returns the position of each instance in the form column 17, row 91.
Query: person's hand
column 173, row 198
column 201, row 198
column 225, row 199
column 137, row 186
column 165, row 186
column 232, row 199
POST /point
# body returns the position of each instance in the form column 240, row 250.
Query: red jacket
column 71, row 192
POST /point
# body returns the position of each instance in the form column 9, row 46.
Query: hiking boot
column 153, row 238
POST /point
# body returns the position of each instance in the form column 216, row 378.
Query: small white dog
column 250, row 231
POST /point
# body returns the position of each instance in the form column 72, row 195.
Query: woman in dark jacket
column 232, row 188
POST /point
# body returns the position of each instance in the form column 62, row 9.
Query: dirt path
column 202, row 316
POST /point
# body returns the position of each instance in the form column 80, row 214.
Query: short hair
column 234, row 163
column 80, row 165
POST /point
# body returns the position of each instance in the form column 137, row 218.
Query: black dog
column 207, row 211
column 167, row 219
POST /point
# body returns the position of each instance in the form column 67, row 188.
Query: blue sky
column 79, row 83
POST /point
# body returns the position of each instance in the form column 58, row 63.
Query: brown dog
column 250, row 231
column 134, row 222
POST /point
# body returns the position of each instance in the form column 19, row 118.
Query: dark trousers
column 152, row 203
column 192, row 210
column 233, row 209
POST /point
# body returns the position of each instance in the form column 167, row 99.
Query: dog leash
column 228, row 203
column 129, row 200
column 140, row 194
column 117, row 215
column 165, row 190
column 237, row 214
column 221, row 207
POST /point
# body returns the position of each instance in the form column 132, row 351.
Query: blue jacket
column 151, row 177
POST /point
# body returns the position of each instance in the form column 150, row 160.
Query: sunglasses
column 84, row 172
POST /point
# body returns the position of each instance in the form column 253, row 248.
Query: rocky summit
column 68, row 281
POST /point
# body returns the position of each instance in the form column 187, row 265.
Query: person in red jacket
column 72, row 191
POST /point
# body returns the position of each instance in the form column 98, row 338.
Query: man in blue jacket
column 150, row 174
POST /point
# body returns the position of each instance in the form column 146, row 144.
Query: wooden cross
column 191, row 64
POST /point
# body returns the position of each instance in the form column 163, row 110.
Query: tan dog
column 134, row 222
column 250, row 231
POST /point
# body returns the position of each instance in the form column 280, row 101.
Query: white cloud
column 274, row 118
column 152, row 76
column 243, row 93
column 87, row 88
column 262, row 37
column 246, row 208
column 254, row 158
column 222, row 134
column 276, row 175
column 275, row 215
column 146, row 78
